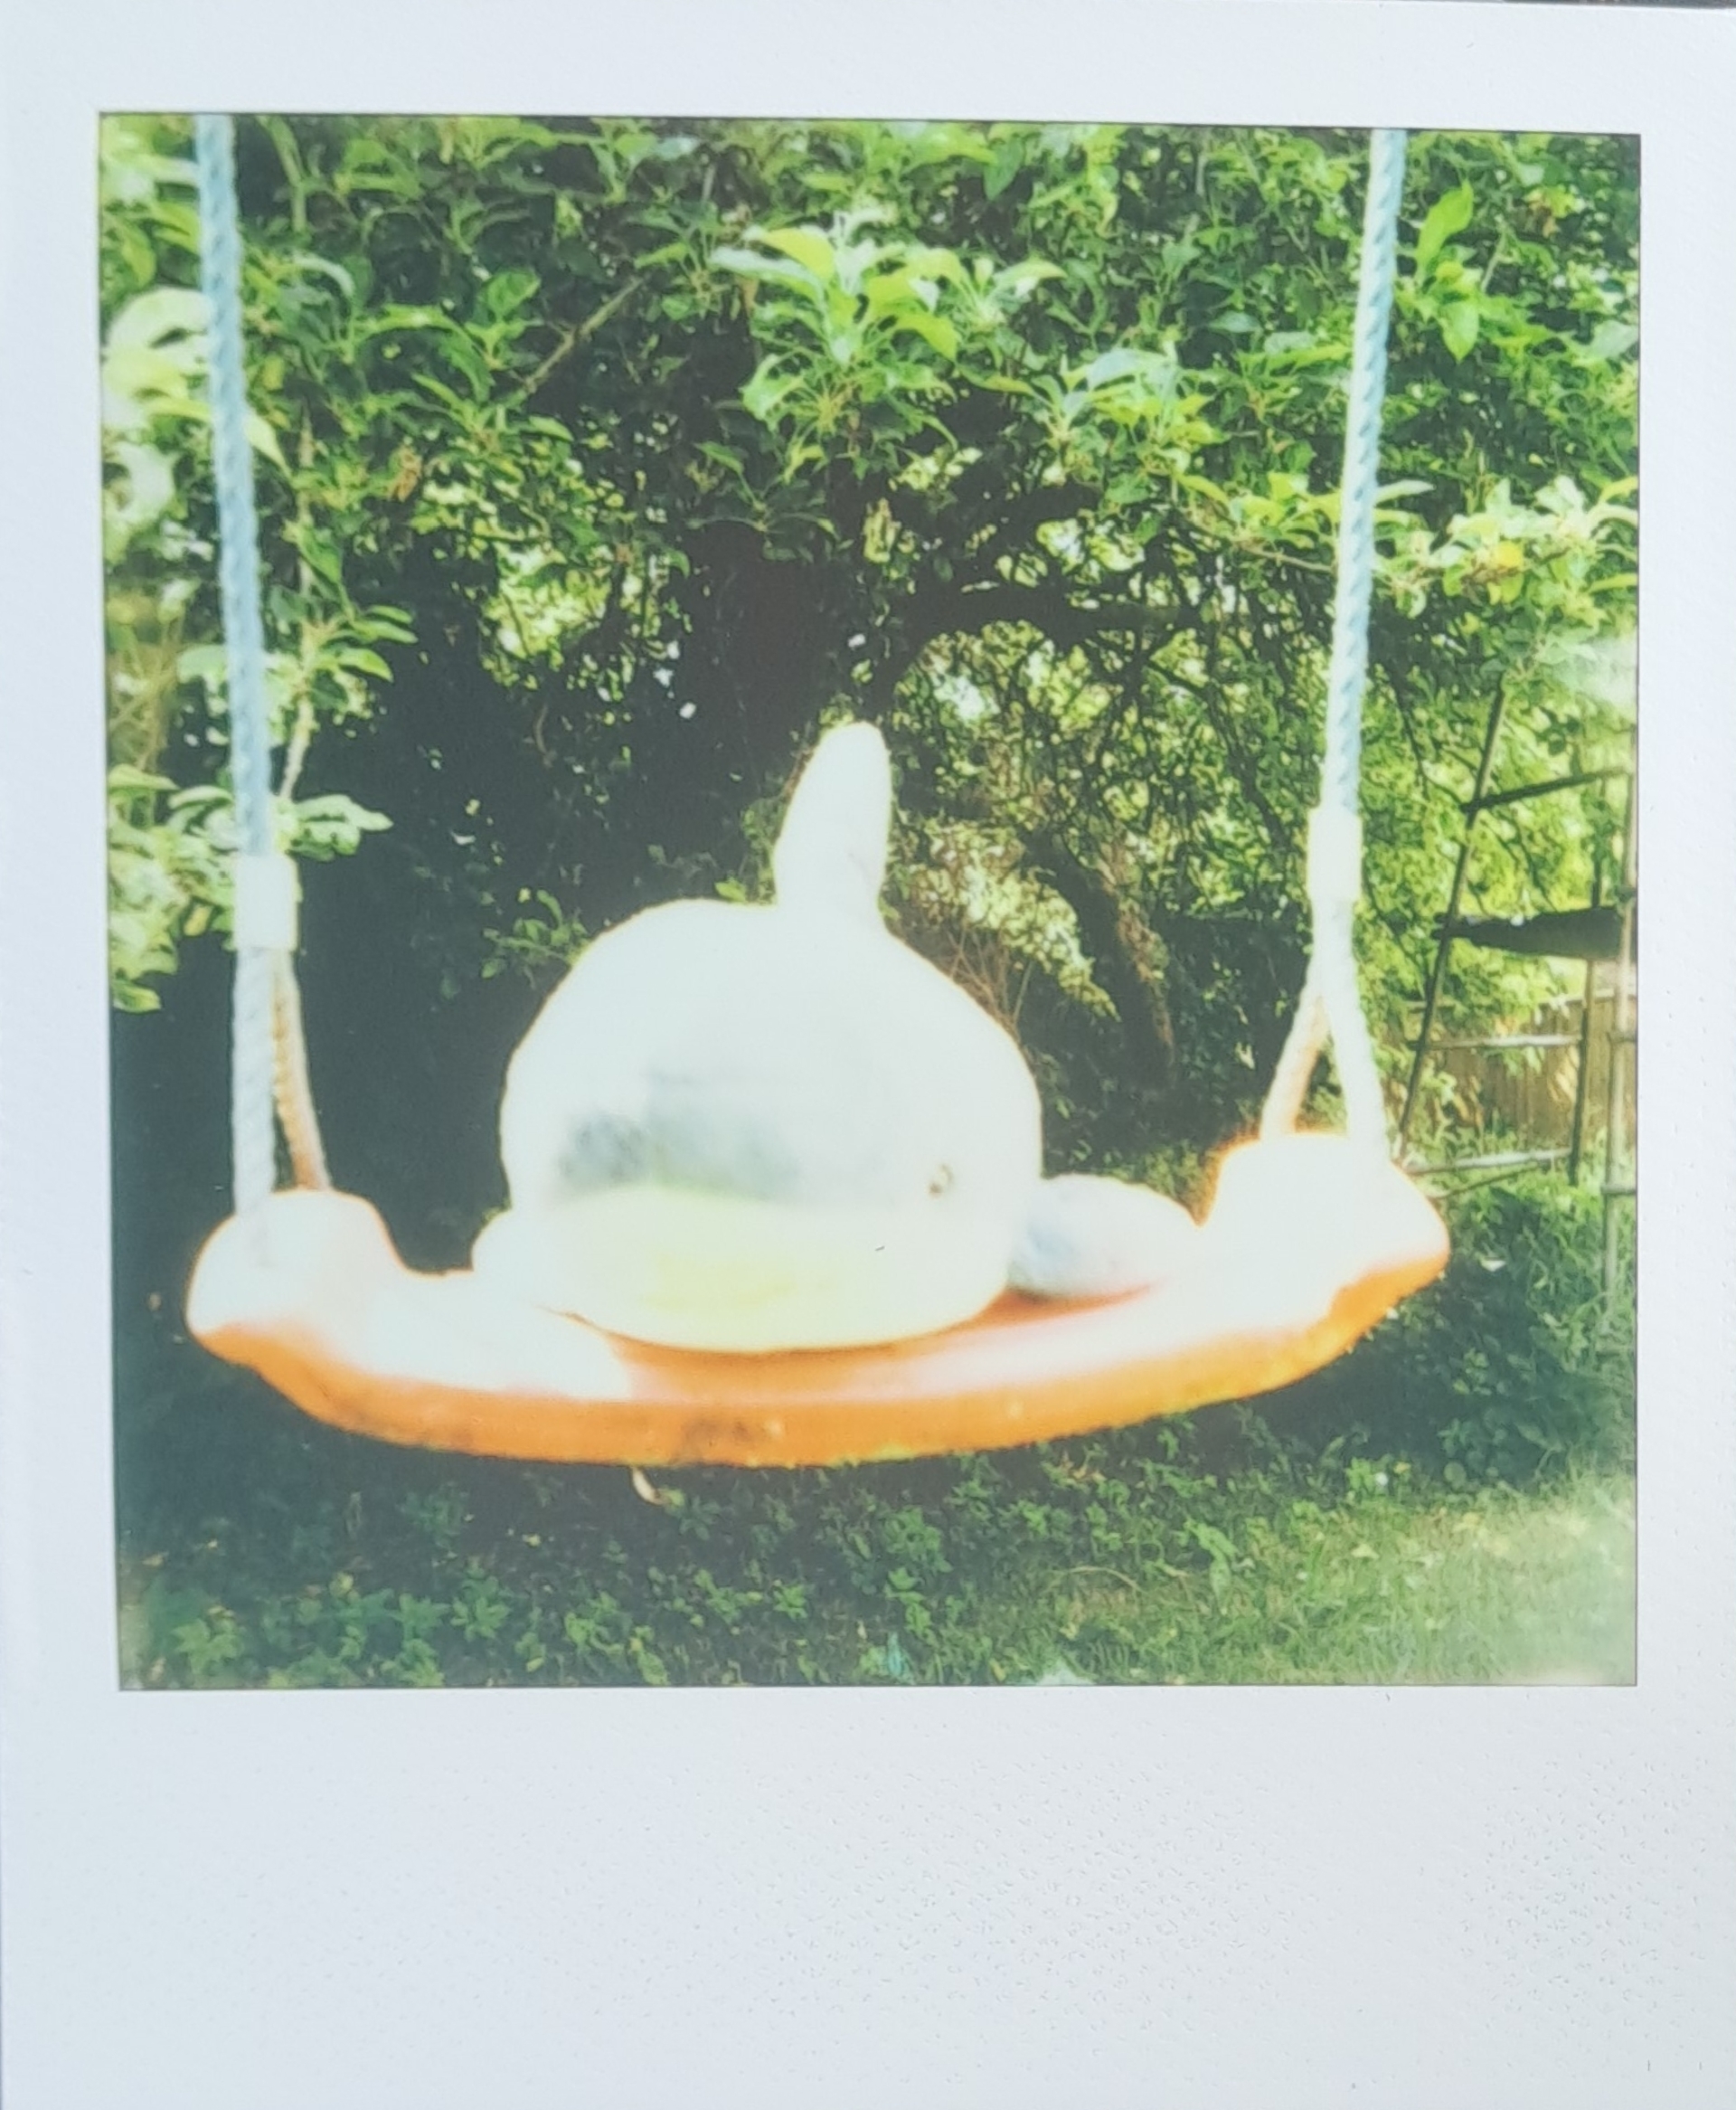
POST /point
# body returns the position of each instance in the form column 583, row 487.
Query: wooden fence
column 1526, row 1093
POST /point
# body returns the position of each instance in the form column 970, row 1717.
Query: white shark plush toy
column 758, row 1129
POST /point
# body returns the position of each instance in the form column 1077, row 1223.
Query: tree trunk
column 1125, row 957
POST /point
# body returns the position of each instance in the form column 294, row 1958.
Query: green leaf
column 263, row 440
column 1019, row 281
column 165, row 311
column 126, row 781
column 779, row 271
column 148, row 492
column 321, row 555
column 762, row 395
column 807, row 245
column 930, row 262
column 728, row 458
column 507, row 292
column 441, row 391
column 888, row 292
column 398, row 316
column 136, row 249
column 934, row 328
column 1612, row 340
column 359, row 660
column 1128, row 363
column 1460, row 324
column 470, row 362
column 1009, row 159
column 334, row 272
column 1449, row 216
column 390, row 623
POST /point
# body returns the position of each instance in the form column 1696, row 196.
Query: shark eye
column 940, row 1180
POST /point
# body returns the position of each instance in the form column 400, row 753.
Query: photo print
column 872, row 902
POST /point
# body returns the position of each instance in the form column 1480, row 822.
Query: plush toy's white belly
column 687, row 1270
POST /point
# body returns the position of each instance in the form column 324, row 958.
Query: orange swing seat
column 1311, row 1239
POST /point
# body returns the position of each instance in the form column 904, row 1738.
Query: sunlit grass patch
column 1497, row 1587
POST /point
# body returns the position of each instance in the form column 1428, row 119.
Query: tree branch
column 577, row 334
column 939, row 611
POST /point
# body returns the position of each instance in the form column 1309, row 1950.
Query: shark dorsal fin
column 831, row 853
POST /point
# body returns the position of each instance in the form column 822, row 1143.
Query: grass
column 1500, row 1588
column 1078, row 1566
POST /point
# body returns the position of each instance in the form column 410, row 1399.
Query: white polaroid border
column 1188, row 1898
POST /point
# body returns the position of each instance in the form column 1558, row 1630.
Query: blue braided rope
column 1331, row 1000
column 1340, row 774
column 252, row 1130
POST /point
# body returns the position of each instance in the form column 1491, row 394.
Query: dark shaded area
column 1587, row 933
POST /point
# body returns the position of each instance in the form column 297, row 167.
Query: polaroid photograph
column 791, row 666
column 836, row 886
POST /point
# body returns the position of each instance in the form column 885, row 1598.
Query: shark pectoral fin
column 1086, row 1237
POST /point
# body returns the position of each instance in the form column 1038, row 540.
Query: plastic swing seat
column 1310, row 1241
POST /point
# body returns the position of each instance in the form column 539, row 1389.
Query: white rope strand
column 1330, row 1007
column 253, row 1136
column 269, row 1055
